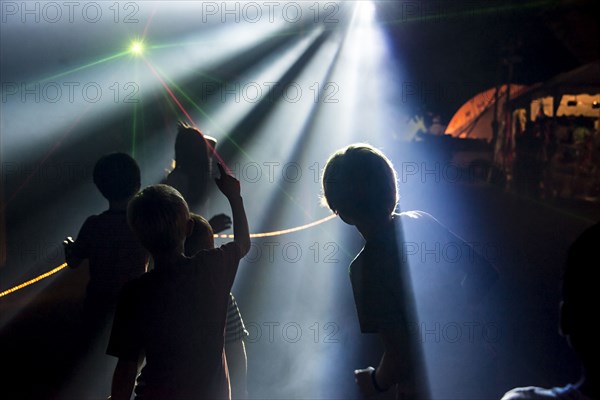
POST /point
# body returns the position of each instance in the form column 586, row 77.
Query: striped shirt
column 234, row 328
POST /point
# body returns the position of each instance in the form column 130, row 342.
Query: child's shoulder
column 415, row 215
column 106, row 215
column 108, row 220
column 229, row 249
column 421, row 225
column 91, row 222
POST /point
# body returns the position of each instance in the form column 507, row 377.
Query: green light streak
column 176, row 111
column 204, row 113
column 88, row 65
column 135, row 116
column 237, row 146
column 141, row 124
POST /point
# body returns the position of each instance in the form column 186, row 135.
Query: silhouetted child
column 578, row 314
column 360, row 185
column 175, row 314
column 193, row 170
column 193, row 166
column 202, row 238
column 115, row 256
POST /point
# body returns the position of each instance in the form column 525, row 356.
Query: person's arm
column 238, row 368
column 124, row 342
column 230, row 187
column 124, row 379
column 392, row 368
column 76, row 251
column 71, row 260
column 241, row 232
column 479, row 279
column 480, row 275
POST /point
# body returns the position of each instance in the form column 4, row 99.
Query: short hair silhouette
column 202, row 236
column 117, row 176
column 159, row 216
column 360, row 180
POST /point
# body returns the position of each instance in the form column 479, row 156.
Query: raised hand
column 364, row 381
column 220, row 222
column 68, row 246
column 227, row 183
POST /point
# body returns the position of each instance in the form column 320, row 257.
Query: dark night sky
column 453, row 49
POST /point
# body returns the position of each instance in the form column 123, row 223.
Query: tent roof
column 581, row 80
column 474, row 118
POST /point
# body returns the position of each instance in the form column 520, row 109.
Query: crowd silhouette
column 159, row 296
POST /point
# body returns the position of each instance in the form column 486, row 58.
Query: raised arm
column 123, row 379
column 230, row 187
column 394, row 367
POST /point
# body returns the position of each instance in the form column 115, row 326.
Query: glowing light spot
column 366, row 9
column 137, row 48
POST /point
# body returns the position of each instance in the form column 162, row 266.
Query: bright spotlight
column 137, row 48
column 366, row 9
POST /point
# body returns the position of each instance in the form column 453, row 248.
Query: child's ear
column 189, row 227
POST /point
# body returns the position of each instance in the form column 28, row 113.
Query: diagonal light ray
column 85, row 66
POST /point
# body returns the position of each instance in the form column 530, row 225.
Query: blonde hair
column 202, row 236
column 360, row 181
column 159, row 215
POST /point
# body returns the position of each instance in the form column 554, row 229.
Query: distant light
column 137, row 48
column 595, row 105
column 366, row 9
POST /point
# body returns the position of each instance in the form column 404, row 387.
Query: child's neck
column 166, row 259
column 118, row 205
column 370, row 228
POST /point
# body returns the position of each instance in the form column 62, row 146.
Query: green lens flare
column 137, row 47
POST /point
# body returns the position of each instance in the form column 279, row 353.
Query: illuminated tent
column 576, row 93
column 473, row 119
column 574, row 171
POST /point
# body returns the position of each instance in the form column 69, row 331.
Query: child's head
column 117, row 176
column 359, row 182
column 160, row 218
column 202, row 236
